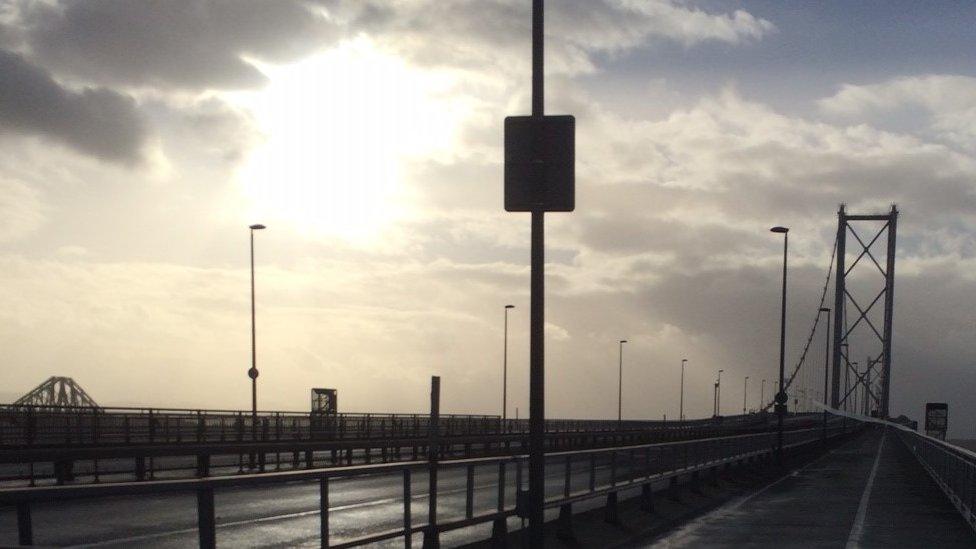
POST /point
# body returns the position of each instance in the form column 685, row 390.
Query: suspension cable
column 813, row 329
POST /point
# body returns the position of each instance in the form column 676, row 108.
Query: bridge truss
column 57, row 392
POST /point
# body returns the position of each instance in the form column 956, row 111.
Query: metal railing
column 26, row 426
column 604, row 473
column 44, row 426
column 953, row 469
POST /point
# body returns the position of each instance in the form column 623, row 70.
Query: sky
column 139, row 139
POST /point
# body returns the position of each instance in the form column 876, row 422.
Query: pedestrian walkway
column 870, row 492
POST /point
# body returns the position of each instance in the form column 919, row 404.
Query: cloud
column 96, row 121
column 945, row 105
column 469, row 34
column 189, row 44
column 21, row 209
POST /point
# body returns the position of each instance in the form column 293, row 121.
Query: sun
column 338, row 128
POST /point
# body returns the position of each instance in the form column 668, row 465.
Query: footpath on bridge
column 869, row 492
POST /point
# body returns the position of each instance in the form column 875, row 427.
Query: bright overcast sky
column 139, row 139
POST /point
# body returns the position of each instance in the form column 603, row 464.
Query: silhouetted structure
column 57, row 392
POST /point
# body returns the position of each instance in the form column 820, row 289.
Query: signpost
column 936, row 419
column 539, row 177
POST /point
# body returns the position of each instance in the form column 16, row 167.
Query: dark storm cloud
column 96, row 121
column 190, row 44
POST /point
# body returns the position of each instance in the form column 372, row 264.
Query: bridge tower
column 875, row 380
column 57, row 391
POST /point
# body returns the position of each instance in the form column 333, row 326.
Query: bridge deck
column 865, row 493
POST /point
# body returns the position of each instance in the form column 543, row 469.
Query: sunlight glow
column 338, row 128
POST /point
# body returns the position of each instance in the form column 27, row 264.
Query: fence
column 952, row 468
column 586, row 474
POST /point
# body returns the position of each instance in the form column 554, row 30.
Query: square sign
column 540, row 163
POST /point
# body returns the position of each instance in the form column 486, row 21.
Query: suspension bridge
column 844, row 472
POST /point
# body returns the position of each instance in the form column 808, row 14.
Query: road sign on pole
column 539, row 177
column 539, row 163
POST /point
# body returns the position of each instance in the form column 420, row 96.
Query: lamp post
column 505, row 368
column 762, row 395
column 826, row 310
column 718, row 394
column 781, row 394
column 620, row 381
column 253, row 372
column 681, row 402
column 745, row 391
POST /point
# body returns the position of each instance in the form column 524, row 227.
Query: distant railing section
column 953, row 469
column 38, row 426
column 619, row 469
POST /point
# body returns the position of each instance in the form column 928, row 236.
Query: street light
column 826, row 371
column 253, row 372
column 620, row 381
column 718, row 394
column 681, row 405
column 762, row 396
column 505, row 368
column 781, row 394
column 745, row 391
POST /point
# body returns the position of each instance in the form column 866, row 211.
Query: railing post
column 568, row 476
column 25, row 532
column 206, row 525
column 647, row 498
column 407, row 515
column 469, row 494
column 324, row 510
column 431, row 535
column 610, row 514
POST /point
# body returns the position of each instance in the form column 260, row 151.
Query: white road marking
column 727, row 509
column 857, row 530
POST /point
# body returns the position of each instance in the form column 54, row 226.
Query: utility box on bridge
column 936, row 419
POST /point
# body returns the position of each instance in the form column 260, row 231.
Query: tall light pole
column 505, row 368
column 253, row 372
column 718, row 394
column 681, row 402
column 781, row 394
column 620, row 381
column 745, row 391
column 762, row 395
column 826, row 311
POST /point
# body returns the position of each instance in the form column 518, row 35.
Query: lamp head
column 623, row 341
column 783, row 230
column 509, row 306
column 257, row 227
column 825, row 309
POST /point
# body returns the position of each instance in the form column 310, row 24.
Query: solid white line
column 728, row 508
column 857, row 530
